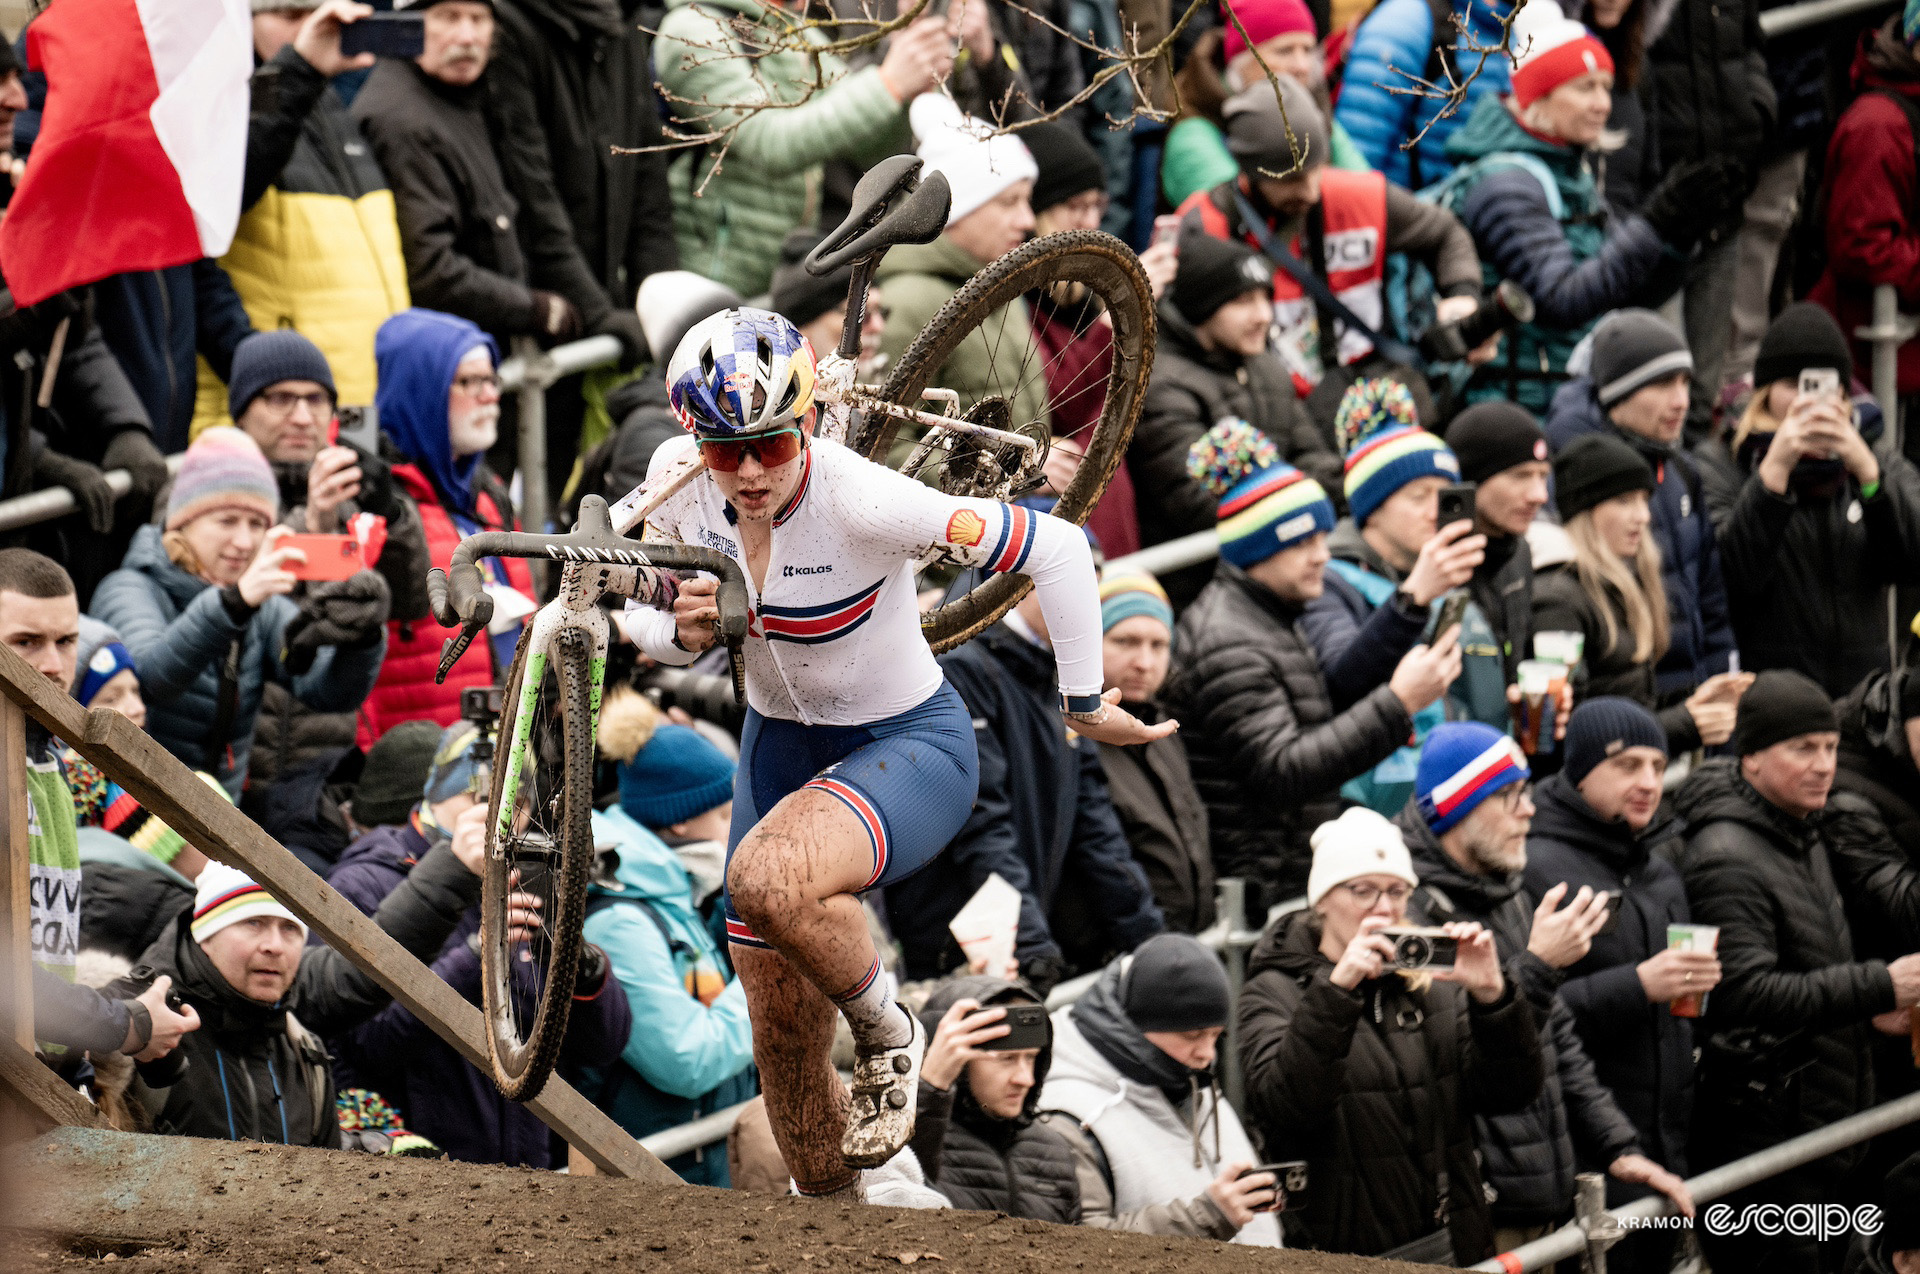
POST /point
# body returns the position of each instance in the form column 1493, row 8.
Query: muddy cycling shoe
column 886, row 1082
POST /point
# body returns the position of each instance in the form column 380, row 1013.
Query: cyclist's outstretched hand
column 1118, row 726
column 696, row 613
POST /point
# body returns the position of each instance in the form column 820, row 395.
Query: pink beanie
column 1551, row 49
column 1264, row 19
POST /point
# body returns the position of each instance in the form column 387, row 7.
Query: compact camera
column 1422, row 948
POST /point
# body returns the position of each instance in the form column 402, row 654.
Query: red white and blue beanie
column 1462, row 763
column 226, row 895
column 1549, row 49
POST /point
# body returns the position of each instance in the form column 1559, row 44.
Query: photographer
column 975, row 1136
column 1371, row 1073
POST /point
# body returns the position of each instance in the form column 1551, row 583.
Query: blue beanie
column 264, row 359
column 1601, row 727
column 678, row 775
column 1462, row 763
column 453, row 764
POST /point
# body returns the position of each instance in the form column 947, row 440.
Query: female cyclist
column 857, row 760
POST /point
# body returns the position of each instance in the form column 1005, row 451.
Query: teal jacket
column 691, row 1050
column 769, row 178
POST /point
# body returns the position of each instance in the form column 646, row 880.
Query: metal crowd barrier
column 1798, row 17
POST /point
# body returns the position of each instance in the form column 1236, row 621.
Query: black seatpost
column 856, row 307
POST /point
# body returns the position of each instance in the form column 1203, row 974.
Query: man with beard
column 1466, row 828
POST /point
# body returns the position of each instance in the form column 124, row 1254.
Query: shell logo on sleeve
column 966, row 528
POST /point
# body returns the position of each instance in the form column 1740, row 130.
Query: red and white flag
column 142, row 145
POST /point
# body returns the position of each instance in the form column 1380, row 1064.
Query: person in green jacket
column 776, row 113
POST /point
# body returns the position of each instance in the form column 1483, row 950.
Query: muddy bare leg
column 793, row 1047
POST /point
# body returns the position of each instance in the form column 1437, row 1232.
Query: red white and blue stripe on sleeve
column 1005, row 532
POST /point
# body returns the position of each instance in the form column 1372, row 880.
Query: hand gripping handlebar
column 457, row 597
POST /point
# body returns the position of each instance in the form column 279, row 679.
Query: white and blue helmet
column 743, row 371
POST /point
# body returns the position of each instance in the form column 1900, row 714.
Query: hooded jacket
column 156, row 322
column 1269, row 747
column 442, row 1096
column 1574, row 266
column 1043, row 819
column 251, row 1073
column 1165, row 822
column 1789, row 976
column 1700, row 635
column 690, row 1050
column 1870, row 192
column 982, row 1162
column 1529, row 1155
column 188, row 642
column 1148, row 1134
column 1375, row 1087
column 1640, row 1051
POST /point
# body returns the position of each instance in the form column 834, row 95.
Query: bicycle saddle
column 891, row 206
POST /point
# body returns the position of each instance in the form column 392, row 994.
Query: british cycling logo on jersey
column 966, row 528
column 718, row 542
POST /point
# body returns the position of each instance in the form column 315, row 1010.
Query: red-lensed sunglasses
column 772, row 449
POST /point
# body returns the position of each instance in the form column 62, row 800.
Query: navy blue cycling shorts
column 911, row 779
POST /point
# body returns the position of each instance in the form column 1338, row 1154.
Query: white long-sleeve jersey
column 834, row 638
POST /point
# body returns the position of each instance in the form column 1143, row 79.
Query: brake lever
column 455, row 647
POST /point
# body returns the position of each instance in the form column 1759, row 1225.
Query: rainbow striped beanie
column 226, row 895
column 1266, row 505
column 1462, row 763
column 223, row 469
column 1125, row 595
column 1385, row 446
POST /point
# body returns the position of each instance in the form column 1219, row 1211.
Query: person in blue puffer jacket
column 201, row 604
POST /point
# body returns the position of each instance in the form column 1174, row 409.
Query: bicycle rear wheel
column 538, row 831
column 1084, row 278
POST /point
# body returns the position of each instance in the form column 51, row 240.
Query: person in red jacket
column 1873, row 232
column 439, row 404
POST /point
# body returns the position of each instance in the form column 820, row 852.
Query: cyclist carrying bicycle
column 857, row 760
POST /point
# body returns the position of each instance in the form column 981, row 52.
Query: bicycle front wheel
column 1062, row 328
column 539, row 843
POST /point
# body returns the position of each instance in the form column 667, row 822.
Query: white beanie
column 1549, row 48
column 978, row 164
column 226, row 895
column 1358, row 843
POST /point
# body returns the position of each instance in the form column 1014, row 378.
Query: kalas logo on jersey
column 966, row 528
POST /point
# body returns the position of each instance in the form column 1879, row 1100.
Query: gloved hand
column 1694, row 197
column 88, row 484
column 553, row 318
column 625, row 324
column 133, row 450
column 351, row 612
column 1043, row 973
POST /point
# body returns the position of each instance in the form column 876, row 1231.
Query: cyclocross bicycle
column 539, row 838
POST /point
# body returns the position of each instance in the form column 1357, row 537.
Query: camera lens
column 1412, row 951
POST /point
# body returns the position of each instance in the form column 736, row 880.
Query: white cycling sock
column 876, row 1017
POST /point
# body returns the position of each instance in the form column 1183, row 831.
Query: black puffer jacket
column 1502, row 587
column 1875, row 823
column 1529, row 1155
column 983, row 1163
column 1165, row 821
column 1192, row 389
column 1788, row 971
column 1708, row 82
column 1374, row 1089
column 1268, row 752
column 1562, row 604
column 1640, row 1051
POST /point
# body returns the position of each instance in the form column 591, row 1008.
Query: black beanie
column 1632, row 350
column 1597, row 467
column 1214, row 271
column 1900, row 1210
column 395, row 775
column 265, row 359
column 1601, row 727
column 1492, row 437
column 797, row 296
column 1176, row 984
column 1068, row 164
column 1803, row 336
column 1782, row 704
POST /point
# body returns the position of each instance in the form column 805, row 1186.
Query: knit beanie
column 1264, row 20
column 98, row 658
column 794, row 294
column 1632, row 350
column 264, row 359
column 1068, row 164
column 1266, row 505
column 1257, row 135
column 1462, row 763
column 1550, row 49
column 1597, row 467
column 395, row 774
column 978, row 165
column 1212, row 272
column 1602, row 727
column 1386, row 448
column 225, row 896
column 668, row 773
column 1803, row 336
column 223, row 469
column 1173, row 982
column 452, row 767
column 1124, row 596
column 1492, row 437
column 1358, row 843
column 1781, row 704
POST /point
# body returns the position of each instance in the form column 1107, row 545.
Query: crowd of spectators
column 1635, row 490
